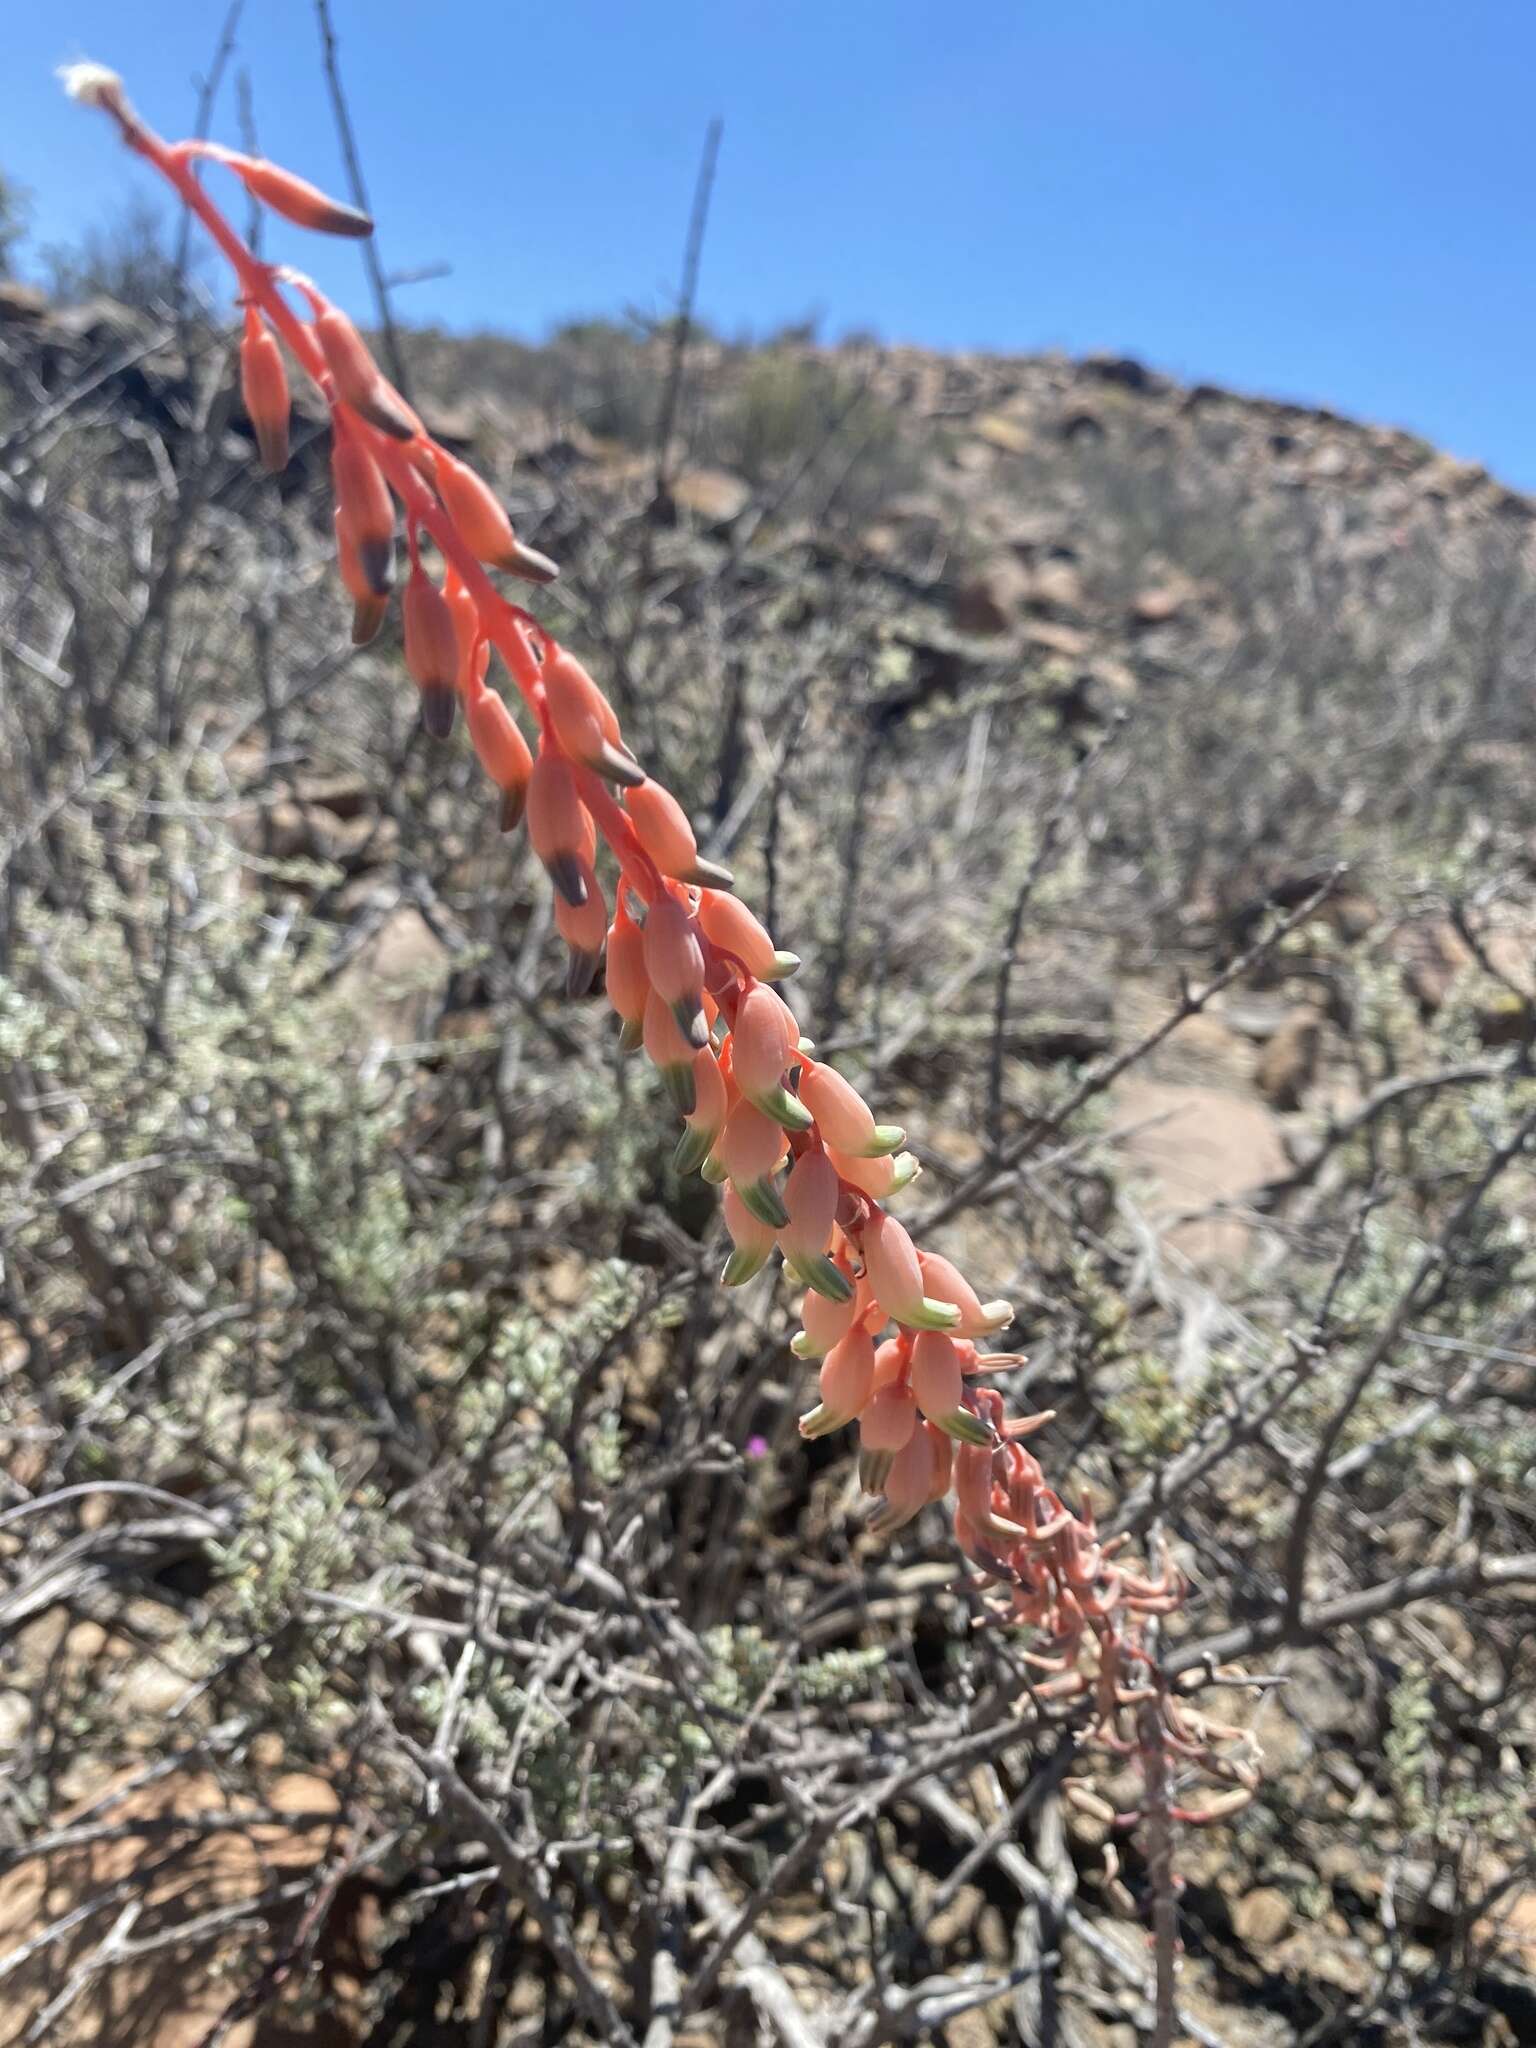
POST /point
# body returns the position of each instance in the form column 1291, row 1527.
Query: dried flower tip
column 93, row 85
column 528, row 563
column 439, row 702
column 358, row 379
column 584, row 928
column 874, row 1467
column 297, row 200
column 264, row 387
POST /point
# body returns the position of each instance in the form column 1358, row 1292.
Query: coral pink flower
column 297, row 200
column 584, row 720
column 751, row 1149
column 368, row 607
column 810, row 1201
column 945, row 1283
column 431, row 651
column 763, row 1039
column 827, row 1321
column 728, row 924
column 358, row 379
column 896, row 1278
column 843, row 1117
column 479, row 515
column 628, row 983
column 264, row 387
column 881, row 1177
column 846, row 1379
column 502, row 751
column 674, row 960
column 364, row 507
column 560, row 825
column 706, row 1120
column 886, row 1424
column 662, row 827
column 938, row 1383
column 669, row 1052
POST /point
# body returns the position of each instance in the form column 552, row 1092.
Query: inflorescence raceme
column 805, row 1168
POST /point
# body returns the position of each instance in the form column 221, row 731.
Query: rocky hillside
column 408, row 1551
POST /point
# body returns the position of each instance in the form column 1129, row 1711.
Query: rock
column 1198, row 1147
column 394, row 978
column 991, row 601
column 1262, row 1917
column 999, row 430
column 1433, row 953
column 1288, row 1064
column 714, row 496
column 20, row 301
column 1160, row 602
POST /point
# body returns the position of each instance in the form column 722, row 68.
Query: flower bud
column 827, row 1321
column 662, row 828
column 560, row 825
column 502, row 752
column 731, row 928
column 368, row 608
column 264, row 387
column 476, row 511
column 357, row 376
column 910, row 1482
column 810, row 1202
column 297, row 200
column 886, row 1424
column 847, row 1375
column 364, row 507
column 763, row 1038
column 945, row 1283
column 938, row 1386
column 843, row 1117
column 584, row 720
column 896, row 1278
column 627, row 981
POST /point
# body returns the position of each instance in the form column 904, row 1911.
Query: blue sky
column 1329, row 202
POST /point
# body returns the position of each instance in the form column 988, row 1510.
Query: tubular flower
column 431, row 651
column 264, row 387
column 674, row 971
column 368, row 608
column 628, row 984
column 364, row 508
column 897, row 1280
column 732, row 929
column 811, row 1196
column 662, row 827
column 846, row 1382
column 584, row 720
column 763, row 1041
column 560, row 825
column 358, row 378
column 843, row 1117
column 479, row 515
column 946, row 1283
column 674, row 960
column 751, row 1150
